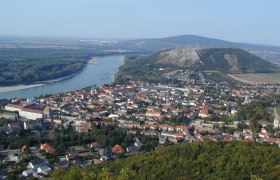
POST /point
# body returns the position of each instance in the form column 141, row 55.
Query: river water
column 99, row 74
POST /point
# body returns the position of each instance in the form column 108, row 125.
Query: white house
column 31, row 114
column 28, row 172
column 13, row 107
column 44, row 169
column 36, row 163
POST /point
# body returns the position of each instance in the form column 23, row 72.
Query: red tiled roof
column 117, row 148
column 95, row 145
column 32, row 110
column 24, row 147
column 47, row 148
column 14, row 106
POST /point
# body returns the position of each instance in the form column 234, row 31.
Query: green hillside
column 222, row 59
column 235, row 60
column 201, row 160
column 225, row 60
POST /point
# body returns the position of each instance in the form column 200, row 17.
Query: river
column 99, row 74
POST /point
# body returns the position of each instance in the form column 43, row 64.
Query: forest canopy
column 20, row 65
column 200, row 160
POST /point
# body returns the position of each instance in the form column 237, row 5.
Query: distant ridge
column 185, row 41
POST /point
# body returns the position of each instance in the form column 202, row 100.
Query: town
column 97, row 124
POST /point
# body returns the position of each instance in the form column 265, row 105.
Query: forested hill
column 222, row 59
column 201, row 160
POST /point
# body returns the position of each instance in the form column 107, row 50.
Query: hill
column 201, row 160
column 225, row 60
column 270, row 53
column 183, row 41
column 222, row 59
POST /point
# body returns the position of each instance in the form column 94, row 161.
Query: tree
column 105, row 174
column 126, row 174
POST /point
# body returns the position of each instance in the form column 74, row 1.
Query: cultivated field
column 257, row 78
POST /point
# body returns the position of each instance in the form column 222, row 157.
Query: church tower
column 92, row 90
column 276, row 119
column 47, row 112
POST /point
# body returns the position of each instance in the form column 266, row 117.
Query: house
column 81, row 126
column 104, row 158
column 11, row 116
column 46, row 147
column 28, row 172
column 32, row 114
column 62, row 165
column 204, row 113
column 148, row 133
column 227, row 137
column 72, row 156
column 85, row 163
column 162, row 140
column 172, row 135
column 24, row 148
column 11, row 158
column 153, row 113
column 133, row 149
column 44, row 169
column 36, row 163
column 113, row 116
column 263, row 133
column 105, row 152
column 14, row 126
column 95, row 145
column 117, row 149
column 32, row 124
column 172, row 139
column 138, row 143
column 233, row 111
column 13, row 107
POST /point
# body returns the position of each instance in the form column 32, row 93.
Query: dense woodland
column 201, row 160
column 30, row 65
column 20, row 65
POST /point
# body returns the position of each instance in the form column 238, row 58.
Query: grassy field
column 257, row 78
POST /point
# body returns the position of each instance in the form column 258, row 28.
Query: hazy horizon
column 251, row 21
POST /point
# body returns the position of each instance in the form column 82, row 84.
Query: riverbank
column 98, row 74
column 57, row 79
column 18, row 87
column 4, row 89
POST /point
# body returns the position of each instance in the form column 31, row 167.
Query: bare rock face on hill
column 232, row 61
column 180, row 57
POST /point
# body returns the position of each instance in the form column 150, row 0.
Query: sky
column 251, row 21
